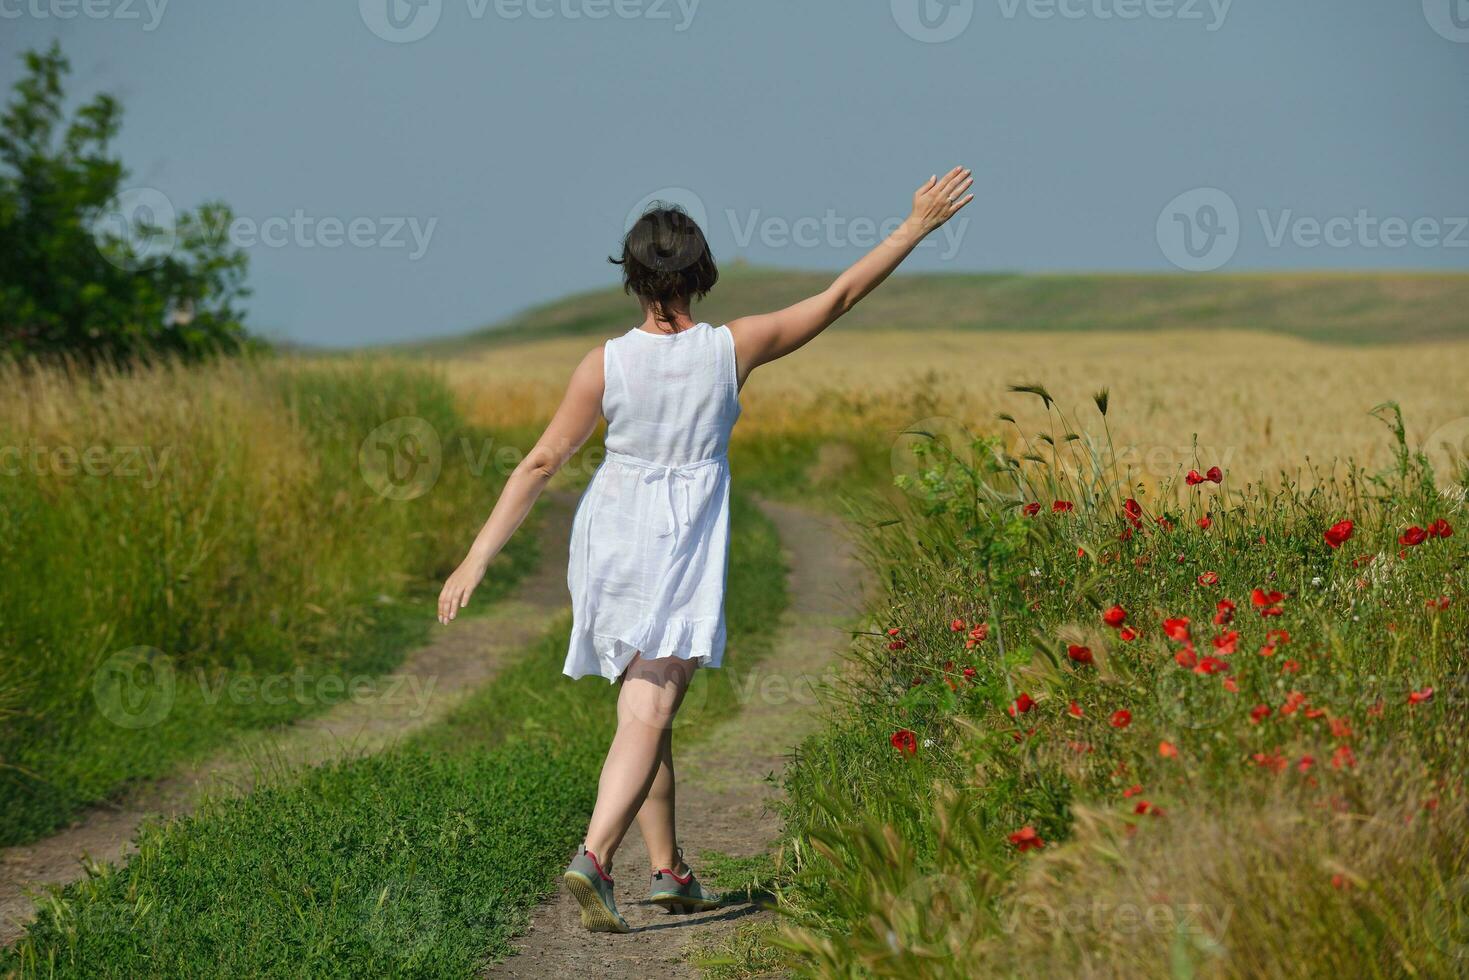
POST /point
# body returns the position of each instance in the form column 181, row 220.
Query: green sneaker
column 681, row 895
column 592, row 889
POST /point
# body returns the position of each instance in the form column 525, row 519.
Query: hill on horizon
column 1333, row 307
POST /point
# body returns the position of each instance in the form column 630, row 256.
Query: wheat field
column 1261, row 404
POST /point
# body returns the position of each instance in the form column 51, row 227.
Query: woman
column 649, row 541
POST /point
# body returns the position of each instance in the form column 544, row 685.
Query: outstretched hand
column 940, row 198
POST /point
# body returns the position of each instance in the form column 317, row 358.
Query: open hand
column 940, row 198
column 458, row 589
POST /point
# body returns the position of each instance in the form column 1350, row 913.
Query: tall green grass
column 166, row 524
column 1264, row 805
column 422, row 861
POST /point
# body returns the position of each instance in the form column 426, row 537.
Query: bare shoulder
column 587, row 379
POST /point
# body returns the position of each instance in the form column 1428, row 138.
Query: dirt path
column 722, row 787
column 455, row 663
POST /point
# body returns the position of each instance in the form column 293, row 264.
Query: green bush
column 91, row 269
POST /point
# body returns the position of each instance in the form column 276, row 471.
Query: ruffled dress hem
column 601, row 655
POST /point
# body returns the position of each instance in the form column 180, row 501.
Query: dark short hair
column 666, row 259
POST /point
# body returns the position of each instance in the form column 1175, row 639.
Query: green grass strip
column 421, row 861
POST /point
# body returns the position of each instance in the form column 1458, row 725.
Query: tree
column 92, row 269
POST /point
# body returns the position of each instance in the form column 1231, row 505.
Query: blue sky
column 392, row 185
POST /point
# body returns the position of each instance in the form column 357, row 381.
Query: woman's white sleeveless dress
column 650, row 542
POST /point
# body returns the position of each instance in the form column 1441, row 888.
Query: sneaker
column 681, row 895
column 592, row 889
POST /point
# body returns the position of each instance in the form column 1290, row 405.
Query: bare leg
column 656, row 818
column 651, row 692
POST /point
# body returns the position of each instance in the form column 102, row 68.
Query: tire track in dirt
column 723, row 787
column 454, row 664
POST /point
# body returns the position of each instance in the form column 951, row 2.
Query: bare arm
column 568, row 430
column 766, row 337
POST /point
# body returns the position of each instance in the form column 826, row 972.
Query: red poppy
column 1343, row 757
column 1082, row 655
column 1167, row 750
column 1440, row 529
column 1293, row 701
column 1115, row 616
column 1418, row 697
column 1194, row 478
column 1214, row 475
column 1226, row 643
column 1133, row 511
column 1259, row 713
column 1230, row 685
column 1127, row 634
column 1132, row 791
column 1267, row 602
column 1209, row 578
column 1074, row 710
column 1307, row 761
column 1021, row 705
column 1121, row 718
column 1144, row 807
column 1031, row 509
column 1205, row 522
column 1338, row 533
column 1223, row 612
column 1289, row 667
column 1439, row 604
column 969, row 673
column 958, row 626
column 1061, row 506
column 1186, row 657
column 904, row 741
column 1274, row 637
column 1341, row 728
column 1414, row 535
column 1026, row 839
column 1176, row 629
column 1270, row 760
column 1211, row 665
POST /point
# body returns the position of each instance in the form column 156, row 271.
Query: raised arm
column 569, row 429
column 767, row 336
